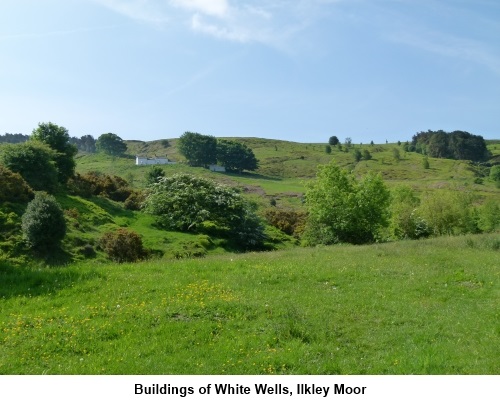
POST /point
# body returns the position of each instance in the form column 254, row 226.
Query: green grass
column 416, row 307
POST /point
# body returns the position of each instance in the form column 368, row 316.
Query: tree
column 199, row 150
column 235, row 156
column 192, row 204
column 58, row 139
column 357, row 155
column 35, row 162
column 333, row 141
column 111, row 144
column 405, row 222
column 348, row 142
column 343, row 209
column 154, row 174
column 328, row 149
column 43, row 223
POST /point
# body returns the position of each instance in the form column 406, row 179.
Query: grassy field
column 416, row 307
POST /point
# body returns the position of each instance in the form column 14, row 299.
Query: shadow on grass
column 36, row 280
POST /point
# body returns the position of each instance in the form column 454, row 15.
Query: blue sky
column 285, row 69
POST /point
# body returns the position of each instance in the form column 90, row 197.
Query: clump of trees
column 204, row 150
column 459, row 145
column 188, row 203
column 111, row 144
column 343, row 209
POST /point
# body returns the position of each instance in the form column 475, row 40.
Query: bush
column 123, row 245
column 14, row 188
column 188, row 203
column 288, row 221
column 342, row 209
column 34, row 161
column 95, row 183
column 43, row 223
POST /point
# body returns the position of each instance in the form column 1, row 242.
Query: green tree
column 34, row 161
column 333, row 141
column 58, row 139
column 188, row 203
column 405, row 222
column 343, row 209
column 199, row 150
column 235, row 156
column 357, row 155
column 154, row 174
column 43, row 223
column 328, row 149
column 111, row 144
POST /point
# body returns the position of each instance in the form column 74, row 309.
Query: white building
column 157, row 160
column 216, row 168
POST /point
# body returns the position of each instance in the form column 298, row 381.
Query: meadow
column 408, row 307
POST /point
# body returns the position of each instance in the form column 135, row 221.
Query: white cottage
column 216, row 168
column 157, row 160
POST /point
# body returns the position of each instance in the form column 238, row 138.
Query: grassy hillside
column 419, row 307
column 286, row 166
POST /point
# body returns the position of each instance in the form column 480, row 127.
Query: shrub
column 289, row 221
column 188, row 203
column 43, row 223
column 123, row 245
column 343, row 209
column 99, row 184
column 14, row 188
column 34, row 161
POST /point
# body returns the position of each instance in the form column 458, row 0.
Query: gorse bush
column 95, row 183
column 123, row 245
column 13, row 187
column 291, row 222
column 43, row 223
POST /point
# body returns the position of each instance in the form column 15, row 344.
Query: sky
column 297, row 70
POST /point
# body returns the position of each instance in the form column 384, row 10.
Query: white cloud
column 148, row 11
column 217, row 8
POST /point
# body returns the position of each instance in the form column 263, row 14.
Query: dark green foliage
column 57, row 138
column 328, row 149
column 199, row 150
column 123, row 245
column 495, row 174
column 35, row 162
column 13, row 138
column 235, row 156
column 188, row 203
column 405, row 221
column 111, row 144
column 333, row 141
column 154, row 174
column 13, row 187
column 367, row 155
column 135, row 201
column 43, row 223
column 99, row 184
column 357, row 155
column 86, row 143
column 291, row 222
column 459, row 145
column 343, row 209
